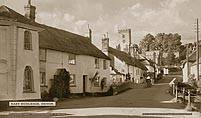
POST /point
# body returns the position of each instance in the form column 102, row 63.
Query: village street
column 131, row 103
column 144, row 97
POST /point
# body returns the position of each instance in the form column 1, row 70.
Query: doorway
column 84, row 83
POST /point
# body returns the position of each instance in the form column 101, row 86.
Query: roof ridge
column 4, row 8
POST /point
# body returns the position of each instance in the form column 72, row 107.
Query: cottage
column 190, row 66
column 31, row 54
column 123, row 64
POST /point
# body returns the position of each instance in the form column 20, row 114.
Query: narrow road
column 153, row 97
column 129, row 104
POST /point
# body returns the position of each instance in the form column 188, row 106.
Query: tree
column 162, row 42
column 165, row 42
column 170, row 59
column 147, row 42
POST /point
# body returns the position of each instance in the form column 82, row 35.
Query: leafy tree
column 162, row 42
column 147, row 42
column 171, row 58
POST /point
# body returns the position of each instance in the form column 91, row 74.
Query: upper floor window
column 42, row 55
column 104, row 64
column 27, row 40
column 28, row 84
column 72, row 59
column 97, row 65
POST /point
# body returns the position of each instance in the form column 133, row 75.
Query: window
column 27, row 40
column 123, row 36
column 28, row 84
column 97, row 63
column 72, row 59
column 42, row 78
column 104, row 64
column 97, row 81
column 43, row 55
column 72, row 80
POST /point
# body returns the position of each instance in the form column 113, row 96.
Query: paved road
column 149, row 97
column 130, row 103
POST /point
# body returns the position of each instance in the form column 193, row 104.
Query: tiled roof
column 127, row 58
column 54, row 38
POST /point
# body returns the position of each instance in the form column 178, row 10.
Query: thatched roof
column 127, row 58
column 54, row 38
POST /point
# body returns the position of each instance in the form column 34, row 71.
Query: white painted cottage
column 123, row 64
column 31, row 53
column 190, row 67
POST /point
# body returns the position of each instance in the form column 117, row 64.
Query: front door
column 84, row 83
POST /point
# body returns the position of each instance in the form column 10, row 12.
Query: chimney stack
column 105, row 45
column 30, row 11
column 90, row 33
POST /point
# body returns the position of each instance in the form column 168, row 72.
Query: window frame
column 73, row 60
column 28, row 40
column 74, row 80
column 105, row 65
column 28, row 77
column 97, row 63
column 43, row 83
column 97, row 83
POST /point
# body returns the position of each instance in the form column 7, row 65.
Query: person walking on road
column 148, row 80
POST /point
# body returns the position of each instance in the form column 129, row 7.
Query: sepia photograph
column 100, row 59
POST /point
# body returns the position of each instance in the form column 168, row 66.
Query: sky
column 142, row 16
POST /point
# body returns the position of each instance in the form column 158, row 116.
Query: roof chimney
column 105, row 45
column 30, row 11
column 90, row 33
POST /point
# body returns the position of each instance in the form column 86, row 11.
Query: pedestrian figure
column 148, row 80
column 102, row 84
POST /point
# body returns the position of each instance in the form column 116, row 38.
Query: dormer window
column 27, row 40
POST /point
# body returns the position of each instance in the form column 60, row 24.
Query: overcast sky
column 142, row 16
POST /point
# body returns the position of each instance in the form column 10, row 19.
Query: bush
column 45, row 96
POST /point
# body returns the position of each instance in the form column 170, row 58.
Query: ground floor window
column 28, row 83
column 72, row 80
column 97, row 81
column 42, row 78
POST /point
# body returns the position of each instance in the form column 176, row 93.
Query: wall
column 85, row 65
column 5, row 63
column 122, row 67
column 13, row 59
column 27, row 58
column 194, row 69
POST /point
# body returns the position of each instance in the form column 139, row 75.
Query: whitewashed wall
column 27, row 58
column 194, row 70
column 14, row 59
column 85, row 65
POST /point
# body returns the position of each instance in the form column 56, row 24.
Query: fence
column 187, row 94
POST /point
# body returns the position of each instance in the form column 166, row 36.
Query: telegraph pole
column 197, row 47
column 187, row 58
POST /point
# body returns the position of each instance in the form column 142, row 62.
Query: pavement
column 155, row 101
